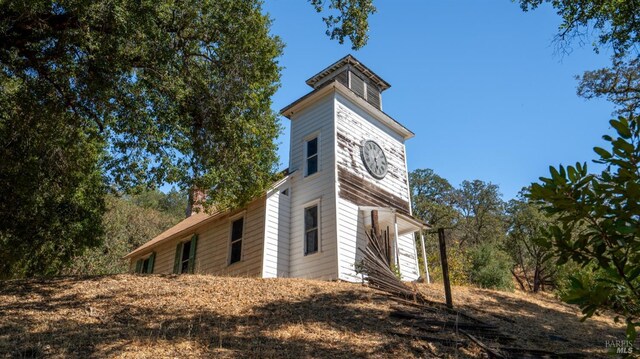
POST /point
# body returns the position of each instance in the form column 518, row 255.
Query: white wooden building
column 347, row 158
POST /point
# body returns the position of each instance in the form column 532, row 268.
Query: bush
column 573, row 279
column 490, row 267
column 127, row 225
column 456, row 257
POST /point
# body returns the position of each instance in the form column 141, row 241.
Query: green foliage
column 52, row 189
column 459, row 263
column 178, row 94
column 172, row 203
column 482, row 213
column 490, row 267
column 619, row 84
column 472, row 214
column 136, row 93
column 572, row 279
column 351, row 19
column 432, row 198
column 598, row 222
column 474, row 210
column 615, row 20
column 526, row 223
column 127, row 225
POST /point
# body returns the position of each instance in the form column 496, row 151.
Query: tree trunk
column 536, row 279
column 518, row 280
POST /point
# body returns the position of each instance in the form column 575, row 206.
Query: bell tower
column 347, row 159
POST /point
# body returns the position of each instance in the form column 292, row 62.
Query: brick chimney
column 195, row 201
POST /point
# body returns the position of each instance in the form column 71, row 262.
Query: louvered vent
column 343, row 78
column 357, row 85
column 373, row 95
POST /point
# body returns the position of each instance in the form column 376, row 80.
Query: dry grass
column 195, row 316
column 538, row 321
column 204, row 316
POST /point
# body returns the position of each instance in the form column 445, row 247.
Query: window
column 312, row 156
column 184, row 259
column 237, row 227
column 145, row 265
column 185, row 256
column 311, row 229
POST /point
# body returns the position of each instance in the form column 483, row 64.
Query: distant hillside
column 201, row 316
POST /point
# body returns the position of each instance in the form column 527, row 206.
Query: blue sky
column 480, row 83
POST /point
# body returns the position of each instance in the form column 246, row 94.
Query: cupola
column 354, row 75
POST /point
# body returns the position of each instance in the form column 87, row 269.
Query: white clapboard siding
column 165, row 255
column 276, row 237
column 356, row 126
column 215, row 242
column 408, row 257
column 350, row 237
column 214, row 238
column 317, row 118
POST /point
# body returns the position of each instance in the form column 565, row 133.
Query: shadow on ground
column 62, row 317
column 537, row 321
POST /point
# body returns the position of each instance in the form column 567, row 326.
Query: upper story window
column 311, row 229
column 311, row 153
column 237, row 229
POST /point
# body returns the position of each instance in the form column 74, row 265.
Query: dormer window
column 311, row 161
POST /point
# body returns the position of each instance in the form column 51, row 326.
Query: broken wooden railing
column 435, row 322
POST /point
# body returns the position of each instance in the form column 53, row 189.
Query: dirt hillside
column 203, row 316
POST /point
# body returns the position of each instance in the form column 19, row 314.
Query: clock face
column 374, row 159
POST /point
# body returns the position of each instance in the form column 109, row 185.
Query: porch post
column 395, row 228
column 424, row 257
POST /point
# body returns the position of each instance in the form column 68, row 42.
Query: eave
column 320, row 92
column 352, row 61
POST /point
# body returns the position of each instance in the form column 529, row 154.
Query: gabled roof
column 182, row 228
column 191, row 223
column 349, row 60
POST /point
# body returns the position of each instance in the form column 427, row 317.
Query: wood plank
column 363, row 193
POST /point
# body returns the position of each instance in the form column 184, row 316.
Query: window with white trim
column 311, row 153
column 311, row 233
column 237, row 229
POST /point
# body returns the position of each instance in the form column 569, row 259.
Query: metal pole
column 424, row 258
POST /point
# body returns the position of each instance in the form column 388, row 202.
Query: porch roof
column 389, row 216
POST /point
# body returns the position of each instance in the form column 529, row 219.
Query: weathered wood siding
column 355, row 183
column 212, row 254
column 317, row 118
column 408, row 257
column 276, row 237
column 356, row 187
